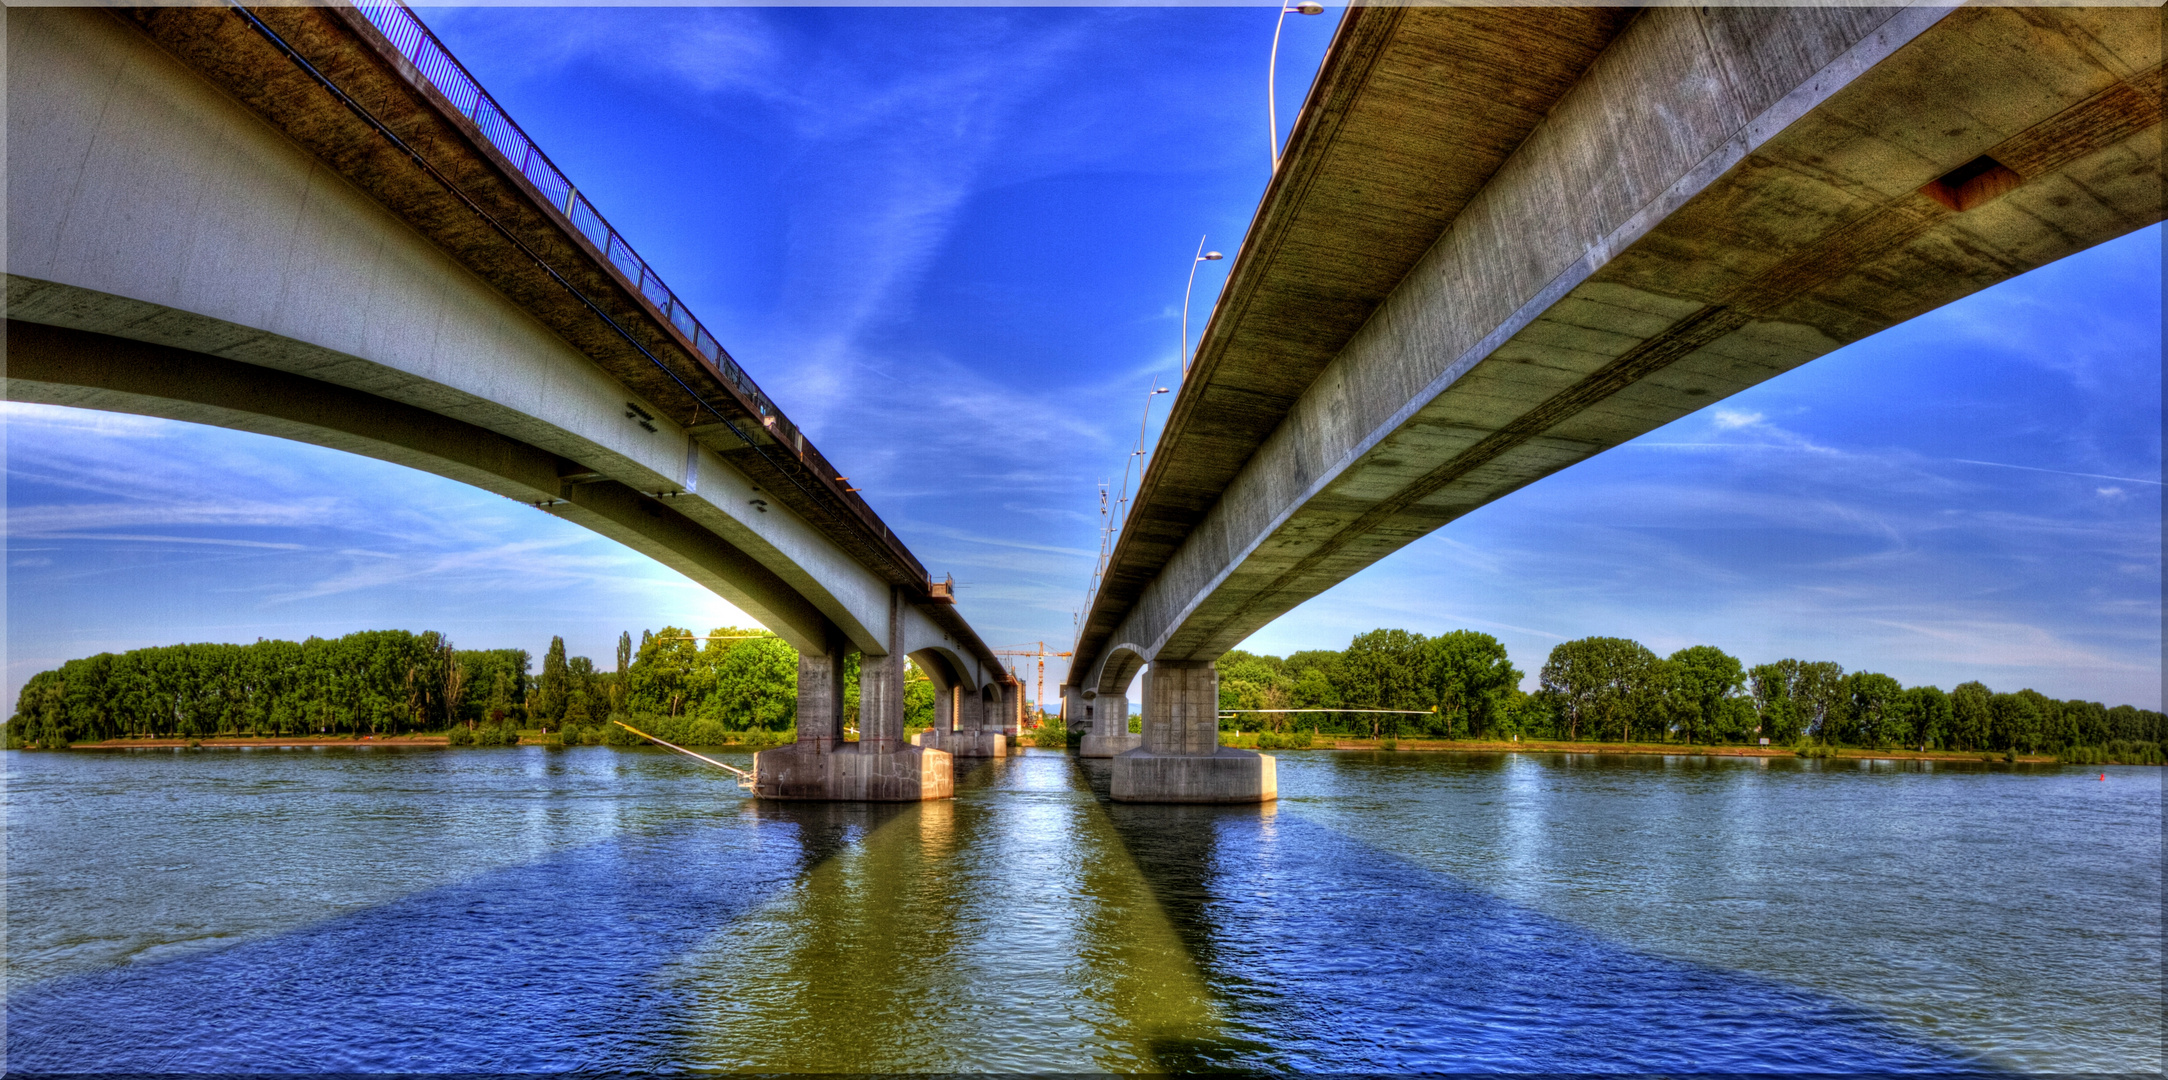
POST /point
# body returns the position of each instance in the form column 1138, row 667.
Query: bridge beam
column 1652, row 213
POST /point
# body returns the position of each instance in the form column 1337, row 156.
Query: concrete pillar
column 1110, row 729
column 1013, row 694
column 944, row 708
column 880, row 703
column 1072, row 709
column 970, row 710
column 1181, row 708
column 820, row 701
column 876, row 768
column 1181, row 760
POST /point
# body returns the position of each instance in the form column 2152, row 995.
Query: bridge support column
column 972, row 737
column 1072, row 709
column 1110, row 728
column 1010, row 710
column 937, row 735
column 820, row 701
column 1181, row 760
column 879, row 767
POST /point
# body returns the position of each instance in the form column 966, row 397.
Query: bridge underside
column 1721, row 196
column 226, row 243
column 1504, row 241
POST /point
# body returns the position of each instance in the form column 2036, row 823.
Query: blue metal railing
column 448, row 77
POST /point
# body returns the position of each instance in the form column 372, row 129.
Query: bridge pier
column 1181, row 760
column 1110, row 728
column 879, row 767
column 970, row 736
column 1072, row 710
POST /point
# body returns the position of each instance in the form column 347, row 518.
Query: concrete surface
column 853, row 772
column 176, row 248
column 1106, row 746
column 1229, row 776
column 1181, row 759
column 1505, row 240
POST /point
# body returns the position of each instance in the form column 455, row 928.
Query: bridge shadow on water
column 546, row 966
column 808, row 937
column 1328, row 954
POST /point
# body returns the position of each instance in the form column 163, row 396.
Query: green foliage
column 373, row 682
column 1052, row 735
column 918, row 700
column 738, row 689
column 1701, row 683
column 1604, row 685
column 553, row 690
column 755, row 686
column 1468, row 679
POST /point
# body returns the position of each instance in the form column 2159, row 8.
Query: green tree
column 553, row 690
column 1702, row 679
column 663, row 675
column 756, row 687
column 2014, row 723
column 1314, row 689
column 1875, row 710
column 1384, row 669
column 1972, row 716
column 1929, row 709
column 1468, row 679
column 1602, row 685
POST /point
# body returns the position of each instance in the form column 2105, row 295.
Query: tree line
column 1462, row 685
column 702, row 689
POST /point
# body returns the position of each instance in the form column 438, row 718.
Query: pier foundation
column 879, row 767
column 1109, row 733
column 1181, row 760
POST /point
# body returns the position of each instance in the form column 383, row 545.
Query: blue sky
column 951, row 243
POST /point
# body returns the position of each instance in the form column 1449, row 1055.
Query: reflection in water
column 1392, row 913
column 1002, row 931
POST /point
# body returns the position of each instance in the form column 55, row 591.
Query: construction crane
column 1041, row 653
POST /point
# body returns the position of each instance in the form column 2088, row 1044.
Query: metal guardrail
column 405, row 31
column 444, row 73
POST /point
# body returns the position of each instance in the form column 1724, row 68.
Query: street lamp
column 1272, row 106
column 1202, row 256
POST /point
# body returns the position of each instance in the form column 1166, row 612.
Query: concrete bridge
column 1505, row 240
column 310, row 222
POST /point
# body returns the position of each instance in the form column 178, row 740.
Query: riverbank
column 269, row 742
column 1248, row 741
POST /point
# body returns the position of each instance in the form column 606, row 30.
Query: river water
column 526, row 909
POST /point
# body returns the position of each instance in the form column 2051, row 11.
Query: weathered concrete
column 1229, row 776
column 1011, row 713
column 1111, row 737
column 969, row 737
column 853, row 772
column 1072, row 710
column 820, row 702
column 1506, row 240
column 1106, row 746
column 1182, row 760
column 879, row 767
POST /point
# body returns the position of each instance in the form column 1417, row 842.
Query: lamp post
column 1272, row 70
column 1202, row 256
